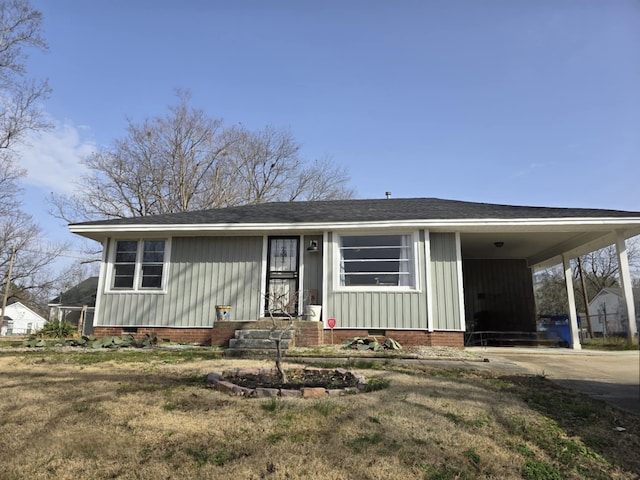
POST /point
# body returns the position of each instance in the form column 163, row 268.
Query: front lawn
column 150, row 414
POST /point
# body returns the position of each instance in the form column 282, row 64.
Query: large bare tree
column 166, row 164
column 268, row 168
column 20, row 30
column 185, row 160
column 21, row 242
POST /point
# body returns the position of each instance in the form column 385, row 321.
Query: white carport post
column 625, row 282
column 573, row 316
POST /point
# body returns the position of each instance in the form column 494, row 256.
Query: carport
column 499, row 257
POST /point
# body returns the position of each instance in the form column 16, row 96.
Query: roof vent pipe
column 387, row 194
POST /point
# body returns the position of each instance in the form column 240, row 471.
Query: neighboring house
column 420, row 270
column 609, row 311
column 76, row 305
column 20, row 320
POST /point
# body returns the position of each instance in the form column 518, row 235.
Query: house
column 420, row 270
column 76, row 305
column 609, row 312
column 20, row 320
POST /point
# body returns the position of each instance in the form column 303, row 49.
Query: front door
column 282, row 276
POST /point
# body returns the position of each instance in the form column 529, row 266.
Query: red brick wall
column 307, row 334
column 447, row 339
column 180, row 335
column 220, row 335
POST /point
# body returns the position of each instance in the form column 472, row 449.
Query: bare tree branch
column 186, row 161
column 20, row 27
column 20, row 30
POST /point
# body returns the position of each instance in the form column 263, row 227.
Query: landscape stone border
column 223, row 382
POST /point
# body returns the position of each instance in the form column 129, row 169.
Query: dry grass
column 150, row 416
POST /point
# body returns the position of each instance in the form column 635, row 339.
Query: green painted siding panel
column 376, row 309
column 444, row 281
column 203, row 272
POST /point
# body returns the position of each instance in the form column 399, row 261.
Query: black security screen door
column 282, row 275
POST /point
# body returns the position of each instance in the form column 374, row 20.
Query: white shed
column 20, row 320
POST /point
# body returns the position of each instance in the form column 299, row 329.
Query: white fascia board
column 468, row 225
column 577, row 247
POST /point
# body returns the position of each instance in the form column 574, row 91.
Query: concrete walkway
column 610, row 376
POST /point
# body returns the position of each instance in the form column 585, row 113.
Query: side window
column 152, row 263
column 125, row 263
column 139, row 264
column 377, row 261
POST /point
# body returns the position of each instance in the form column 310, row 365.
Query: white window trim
column 337, row 236
column 138, row 268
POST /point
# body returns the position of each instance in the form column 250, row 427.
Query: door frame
column 287, row 274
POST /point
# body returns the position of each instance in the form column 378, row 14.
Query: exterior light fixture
column 499, row 244
column 313, row 246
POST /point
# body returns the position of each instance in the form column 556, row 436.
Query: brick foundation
column 307, row 334
column 201, row 336
column 407, row 338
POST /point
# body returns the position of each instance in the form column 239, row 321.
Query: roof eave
column 101, row 231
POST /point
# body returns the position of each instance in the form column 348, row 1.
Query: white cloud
column 529, row 169
column 53, row 158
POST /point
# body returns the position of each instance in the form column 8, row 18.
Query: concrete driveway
column 610, row 376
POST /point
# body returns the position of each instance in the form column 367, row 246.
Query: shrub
column 57, row 329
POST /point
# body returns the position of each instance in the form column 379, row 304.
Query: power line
column 66, row 255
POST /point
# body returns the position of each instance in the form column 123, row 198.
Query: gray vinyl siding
column 312, row 270
column 445, row 282
column 376, row 309
column 499, row 295
column 203, row 272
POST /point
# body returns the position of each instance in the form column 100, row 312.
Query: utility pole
column 7, row 284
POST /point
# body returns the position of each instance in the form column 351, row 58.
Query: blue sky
column 512, row 101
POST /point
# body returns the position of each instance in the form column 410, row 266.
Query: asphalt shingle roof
column 395, row 209
column 83, row 293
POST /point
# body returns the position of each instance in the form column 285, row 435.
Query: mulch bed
column 298, row 378
column 302, row 382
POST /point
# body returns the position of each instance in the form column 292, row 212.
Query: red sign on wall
column 331, row 322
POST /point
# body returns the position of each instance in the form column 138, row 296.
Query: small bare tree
column 281, row 307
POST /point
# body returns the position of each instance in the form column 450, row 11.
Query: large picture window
column 377, row 260
column 139, row 264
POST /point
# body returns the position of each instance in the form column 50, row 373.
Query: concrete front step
column 262, row 334
column 256, row 343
